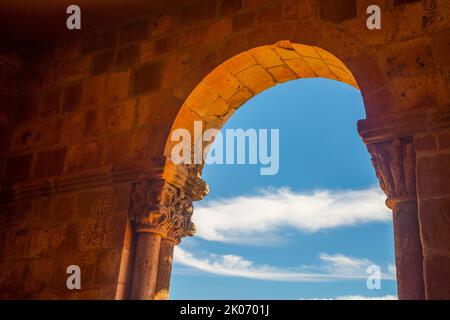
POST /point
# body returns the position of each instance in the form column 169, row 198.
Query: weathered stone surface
column 81, row 115
column 120, row 116
column 432, row 181
column 147, row 78
column 102, row 62
column 425, row 143
column 437, row 278
column 127, row 57
column 51, row 104
column 435, row 222
column 93, row 90
column 50, row 163
column 84, row 156
column 72, row 97
column 18, row 168
column 336, row 12
column 72, row 70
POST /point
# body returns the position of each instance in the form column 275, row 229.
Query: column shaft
column 145, row 266
column 408, row 251
column 164, row 269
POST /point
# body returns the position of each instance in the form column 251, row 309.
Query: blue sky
column 308, row 232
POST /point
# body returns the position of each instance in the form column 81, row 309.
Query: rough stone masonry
column 85, row 117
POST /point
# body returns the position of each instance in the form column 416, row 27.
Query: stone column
column 394, row 162
column 164, row 269
column 433, row 189
column 145, row 271
column 162, row 215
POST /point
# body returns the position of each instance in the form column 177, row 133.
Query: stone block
column 437, row 277
column 102, row 62
column 444, row 141
column 402, row 2
column 72, row 70
column 270, row 14
column 42, row 134
column 98, row 41
column 27, row 107
column 127, row 57
column 435, row 222
column 162, row 24
column 118, row 85
column 198, row 11
column 18, row 168
column 408, row 58
column 233, row 46
column 108, row 268
column 119, row 116
column 239, row 63
column 84, row 156
column 243, row 21
column 156, row 108
column 93, row 124
column 147, row 78
column 72, row 97
column 223, row 82
column 51, row 103
column 282, row 74
column 320, row 68
column 256, row 79
column 12, row 276
column 301, row 68
column 230, row 7
column 117, row 149
column 266, row 57
column 134, row 31
column 102, row 233
column 279, row 31
column 102, row 202
column 206, row 34
column 433, row 175
column 337, row 11
column 72, row 131
column 241, row 96
column 295, row 9
column 50, row 163
column 93, row 90
column 258, row 37
column 425, row 143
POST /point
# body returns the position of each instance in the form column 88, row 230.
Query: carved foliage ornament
column 162, row 208
column 394, row 163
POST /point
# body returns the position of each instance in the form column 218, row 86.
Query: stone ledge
column 379, row 131
column 78, row 182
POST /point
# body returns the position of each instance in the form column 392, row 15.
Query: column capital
column 394, row 163
column 162, row 208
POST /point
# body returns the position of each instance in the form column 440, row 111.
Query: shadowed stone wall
column 93, row 114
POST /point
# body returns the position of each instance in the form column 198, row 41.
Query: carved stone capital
column 394, row 163
column 160, row 207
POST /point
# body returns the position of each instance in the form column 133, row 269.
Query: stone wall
column 94, row 113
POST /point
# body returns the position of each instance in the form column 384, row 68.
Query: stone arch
column 238, row 79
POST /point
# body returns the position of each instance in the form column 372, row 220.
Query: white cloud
column 332, row 267
column 392, row 269
column 255, row 219
column 342, row 264
column 358, row 297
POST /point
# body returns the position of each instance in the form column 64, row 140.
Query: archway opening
column 229, row 87
column 309, row 231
